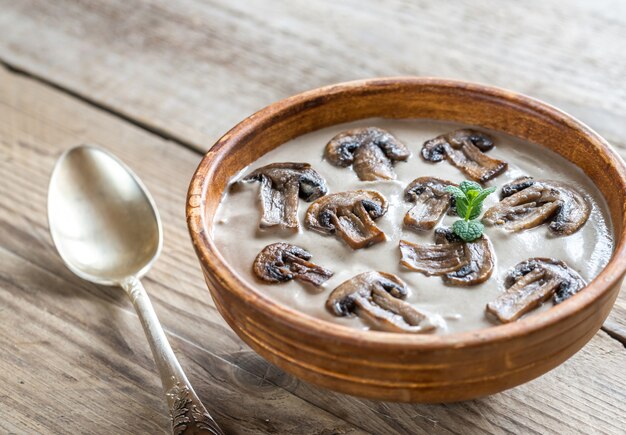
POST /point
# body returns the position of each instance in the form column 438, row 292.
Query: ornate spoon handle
column 188, row 414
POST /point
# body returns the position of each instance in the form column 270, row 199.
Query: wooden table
column 157, row 82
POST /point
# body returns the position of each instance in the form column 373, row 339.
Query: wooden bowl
column 394, row 366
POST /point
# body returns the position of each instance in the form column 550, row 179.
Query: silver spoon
column 107, row 230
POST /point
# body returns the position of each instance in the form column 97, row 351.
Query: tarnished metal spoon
column 107, row 230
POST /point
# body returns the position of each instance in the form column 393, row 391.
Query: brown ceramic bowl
column 394, row 366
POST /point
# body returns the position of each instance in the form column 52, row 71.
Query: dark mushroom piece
column 526, row 203
column 479, row 255
column 350, row 216
column 371, row 151
column 282, row 262
column 431, row 202
column 531, row 283
column 281, row 186
column 465, row 149
column 376, row 297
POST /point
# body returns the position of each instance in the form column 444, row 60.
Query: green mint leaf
column 471, row 195
column 468, row 231
column 455, row 191
column 474, row 212
column 469, row 198
column 484, row 194
column 466, row 186
column 475, row 228
column 462, row 204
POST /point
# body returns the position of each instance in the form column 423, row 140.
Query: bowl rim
column 214, row 263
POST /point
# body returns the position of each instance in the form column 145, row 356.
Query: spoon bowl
column 102, row 219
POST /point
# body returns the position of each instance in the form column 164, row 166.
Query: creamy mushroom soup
column 543, row 237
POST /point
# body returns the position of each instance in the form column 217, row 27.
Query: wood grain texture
column 77, row 349
column 194, row 68
column 615, row 325
column 190, row 70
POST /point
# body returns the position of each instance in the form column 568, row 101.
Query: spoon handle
column 188, row 414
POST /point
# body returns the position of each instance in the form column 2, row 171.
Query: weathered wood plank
column 74, row 356
column 79, row 364
column 36, row 124
column 194, row 68
column 615, row 325
column 570, row 399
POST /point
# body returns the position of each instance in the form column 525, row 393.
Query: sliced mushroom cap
column 526, row 203
column 531, row 283
column 371, row 152
column 281, row 186
column 281, row 262
column 464, row 149
column 349, row 215
column 571, row 281
column 431, row 202
column 479, row 255
column 376, row 297
column 430, row 259
column 515, row 186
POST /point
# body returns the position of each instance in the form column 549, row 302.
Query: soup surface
column 453, row 309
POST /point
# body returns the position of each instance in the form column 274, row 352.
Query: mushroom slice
column 349, row 215
column 526, row 203
column 571, row 281
column 371, row 151
column 479, row 255
column 531, row 283
column 430, row 259
column 281, row 262
column 431, row 202
column 515, row 186
column 376, row 297
column 464, row 149
column 281, row 185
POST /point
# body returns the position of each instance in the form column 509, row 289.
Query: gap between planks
column 159, row 132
